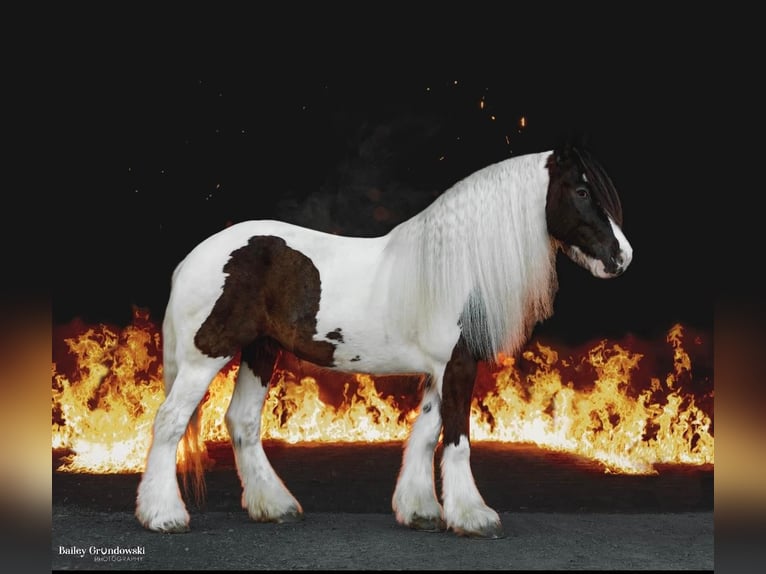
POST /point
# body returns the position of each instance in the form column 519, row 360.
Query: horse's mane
column 481, row 249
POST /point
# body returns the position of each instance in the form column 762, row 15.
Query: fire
column 602, row 404
column 605, row 423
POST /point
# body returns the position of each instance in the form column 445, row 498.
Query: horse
column 462, row 281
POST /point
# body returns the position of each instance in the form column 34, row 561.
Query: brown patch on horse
column 457, row 391
column 270, row 291
column 261, row 356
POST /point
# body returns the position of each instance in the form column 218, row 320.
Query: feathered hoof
column 169, row 522
column 428, row 524
column 490, row 532
column 167, row 527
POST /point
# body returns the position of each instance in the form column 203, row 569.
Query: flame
column 604, row 423
column 599, row 404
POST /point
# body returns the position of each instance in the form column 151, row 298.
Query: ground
column 559, row 512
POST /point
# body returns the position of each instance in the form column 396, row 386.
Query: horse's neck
column 518, row 179
column 485, row 239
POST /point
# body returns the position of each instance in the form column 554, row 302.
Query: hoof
column 174, row 529
column 168, row 527
column 176, row 525
column 492, row 532
column 428, row 524
column 294, row 515
column 287, row 517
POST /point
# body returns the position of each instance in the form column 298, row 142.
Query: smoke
column 392, row 169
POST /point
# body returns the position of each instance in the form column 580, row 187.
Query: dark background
column 185, row 139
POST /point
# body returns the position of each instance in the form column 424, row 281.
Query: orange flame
column 604, row 423
column 103, row 405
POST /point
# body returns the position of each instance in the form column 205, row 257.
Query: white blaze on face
column 596, row 266
column 626, row 250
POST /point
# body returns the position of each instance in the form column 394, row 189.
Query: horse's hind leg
column 159, row 505
column 415, row 503
column 264, row 495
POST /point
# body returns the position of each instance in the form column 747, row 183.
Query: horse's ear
column 567, row 149
column 564, row 151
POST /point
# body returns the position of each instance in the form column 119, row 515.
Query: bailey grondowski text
column 105, row 553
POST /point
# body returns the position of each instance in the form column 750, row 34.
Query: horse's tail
column 193, row 451
column 194, row 460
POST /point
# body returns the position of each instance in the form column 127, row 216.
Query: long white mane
column 481, row 250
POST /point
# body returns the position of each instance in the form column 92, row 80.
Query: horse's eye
column 582, row 192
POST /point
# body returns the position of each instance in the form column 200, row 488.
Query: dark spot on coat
column 335, row 335
column 271, row 291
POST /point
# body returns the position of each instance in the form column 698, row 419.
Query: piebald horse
column 460, row 282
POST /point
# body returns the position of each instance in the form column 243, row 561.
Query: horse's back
column 287, row 275
column 211, row 254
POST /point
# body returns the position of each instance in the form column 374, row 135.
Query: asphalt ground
column 559, row 512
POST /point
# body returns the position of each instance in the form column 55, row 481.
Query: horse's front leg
column 415, row 502
column 465, row 511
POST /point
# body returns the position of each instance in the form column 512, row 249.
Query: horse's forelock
column 606, row 192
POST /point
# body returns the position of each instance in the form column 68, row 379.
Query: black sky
column 177, row 149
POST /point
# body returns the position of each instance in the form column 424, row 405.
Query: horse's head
column 583, row 213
